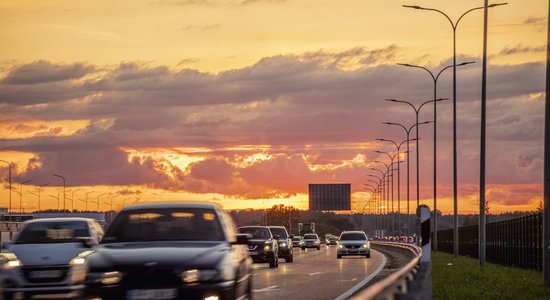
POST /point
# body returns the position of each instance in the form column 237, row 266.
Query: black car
column 332, row 240
column 170, row 251
column 286, row 250
column 262, row 247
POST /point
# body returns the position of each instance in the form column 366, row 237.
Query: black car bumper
column 285, row 251
column 262, row 257
column 222, row 290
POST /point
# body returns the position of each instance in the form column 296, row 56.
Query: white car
column 46, row 258
column 311, row 240
column 353, row 243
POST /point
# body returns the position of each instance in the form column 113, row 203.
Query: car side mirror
column 276, row 236
column 88, row 242
column 292, row 236
column 242, row 239
column 4, row 245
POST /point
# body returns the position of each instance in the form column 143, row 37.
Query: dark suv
column 285, row 242
column 262, row 247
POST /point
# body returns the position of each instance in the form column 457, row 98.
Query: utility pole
column 482, row 217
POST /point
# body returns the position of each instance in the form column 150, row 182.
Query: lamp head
column 413, row 6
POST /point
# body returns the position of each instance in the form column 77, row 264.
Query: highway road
column 314, row 274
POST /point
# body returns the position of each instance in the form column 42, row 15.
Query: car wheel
column 303, row 248
column 368, row 255
column 338, row 256
column 274, row 262
column 318, row 247
column 289, row 258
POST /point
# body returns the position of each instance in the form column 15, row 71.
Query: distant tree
column 540, row 207
column 281, row 215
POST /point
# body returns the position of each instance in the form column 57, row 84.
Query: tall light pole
column 390, row 170
column 382, row 192
column 64, row 186
column 21, row 195
column 386, row 188
column 398, row 148
column 407, row 132
column 72, row 197
column 546, row 175
column 417, row 111
column 9, row 178
column 454, row 25
column 97, row 201
column 435, row 79
column 38, row 194
column 86, row 199
column 379, row 183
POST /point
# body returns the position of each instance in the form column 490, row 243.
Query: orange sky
column 246, row 102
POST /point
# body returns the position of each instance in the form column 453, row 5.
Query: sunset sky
column 245, row 102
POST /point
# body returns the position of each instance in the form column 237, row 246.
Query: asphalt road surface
column 314, row 274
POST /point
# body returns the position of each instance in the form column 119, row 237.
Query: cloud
column 534, row 21
column 45, row 72
column 520, row 49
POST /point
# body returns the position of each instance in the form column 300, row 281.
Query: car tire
column 274, row 263
column 367, row 256
column 303, row 248
column 338, row 256
column 318, row 247
column 289, row 258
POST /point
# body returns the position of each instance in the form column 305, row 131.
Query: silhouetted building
column 324, row 197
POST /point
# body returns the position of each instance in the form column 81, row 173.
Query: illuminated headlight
column 283, row 245
column 12, row 261
column 340, row 246
column 317, row 242
column 365, row 246
column 267, row 247
column 77, row 261
column 105, row 278
column 190, row 276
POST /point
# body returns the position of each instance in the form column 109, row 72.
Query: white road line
column 315, row 273
column 267, row 289
column 361, row 284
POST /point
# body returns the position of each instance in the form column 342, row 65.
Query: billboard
column 329, row 197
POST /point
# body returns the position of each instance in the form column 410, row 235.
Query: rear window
column 280, row 231
column 296, row 239
column 310, row 236
column 353, row 236
column 53, row 232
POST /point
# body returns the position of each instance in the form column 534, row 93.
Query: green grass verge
column 462, row 278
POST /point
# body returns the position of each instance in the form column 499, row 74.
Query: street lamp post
column 72, row 197
column 454, row 25
column 435, row 79
column 97, row 201
column 417, row 111
column 9, row 186
column 21, row 195
column 86, row 199
column 378, row 184
column 64, row 186
column 389, row 168
column 382, row 193
column 398, row 148
column 38, row 194
column 407, row 131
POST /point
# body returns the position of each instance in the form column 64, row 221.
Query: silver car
column 353, row 243
column 46, row 259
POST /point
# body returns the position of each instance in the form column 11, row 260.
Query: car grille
column 252, row 247
column 45, row 274
column 151, row 277
column 353, row 246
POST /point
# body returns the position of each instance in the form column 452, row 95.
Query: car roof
column 354, row 231
column 276, row 227
column 47, row 220
column 264, row 227
column 151, row 205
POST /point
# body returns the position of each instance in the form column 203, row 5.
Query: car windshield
column 53, row 232
column 256, row 233
column 297, row 239
column 180, row 224
column 280, row 231
column 310, row 237
column 353, row 236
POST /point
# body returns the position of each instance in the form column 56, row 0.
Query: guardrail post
column 423, row 216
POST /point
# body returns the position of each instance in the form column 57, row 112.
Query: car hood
column 353, row 242
column 158, row 254
column 46, row 254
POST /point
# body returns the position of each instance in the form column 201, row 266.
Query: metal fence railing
column 516, row 242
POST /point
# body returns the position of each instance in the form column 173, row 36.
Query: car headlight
column 365, row 246
column 12, row 261
column 105, row 278
column 283, row 245
column 340, row 246
column 317, row 242
column 194, row 275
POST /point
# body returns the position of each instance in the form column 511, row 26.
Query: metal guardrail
column 396, row 283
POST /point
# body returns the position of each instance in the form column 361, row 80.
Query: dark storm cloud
column 44, row 71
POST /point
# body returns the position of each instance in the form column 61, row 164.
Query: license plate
column 253, row 252
column 45, row 274
column 159, row 294
column 352, row 250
